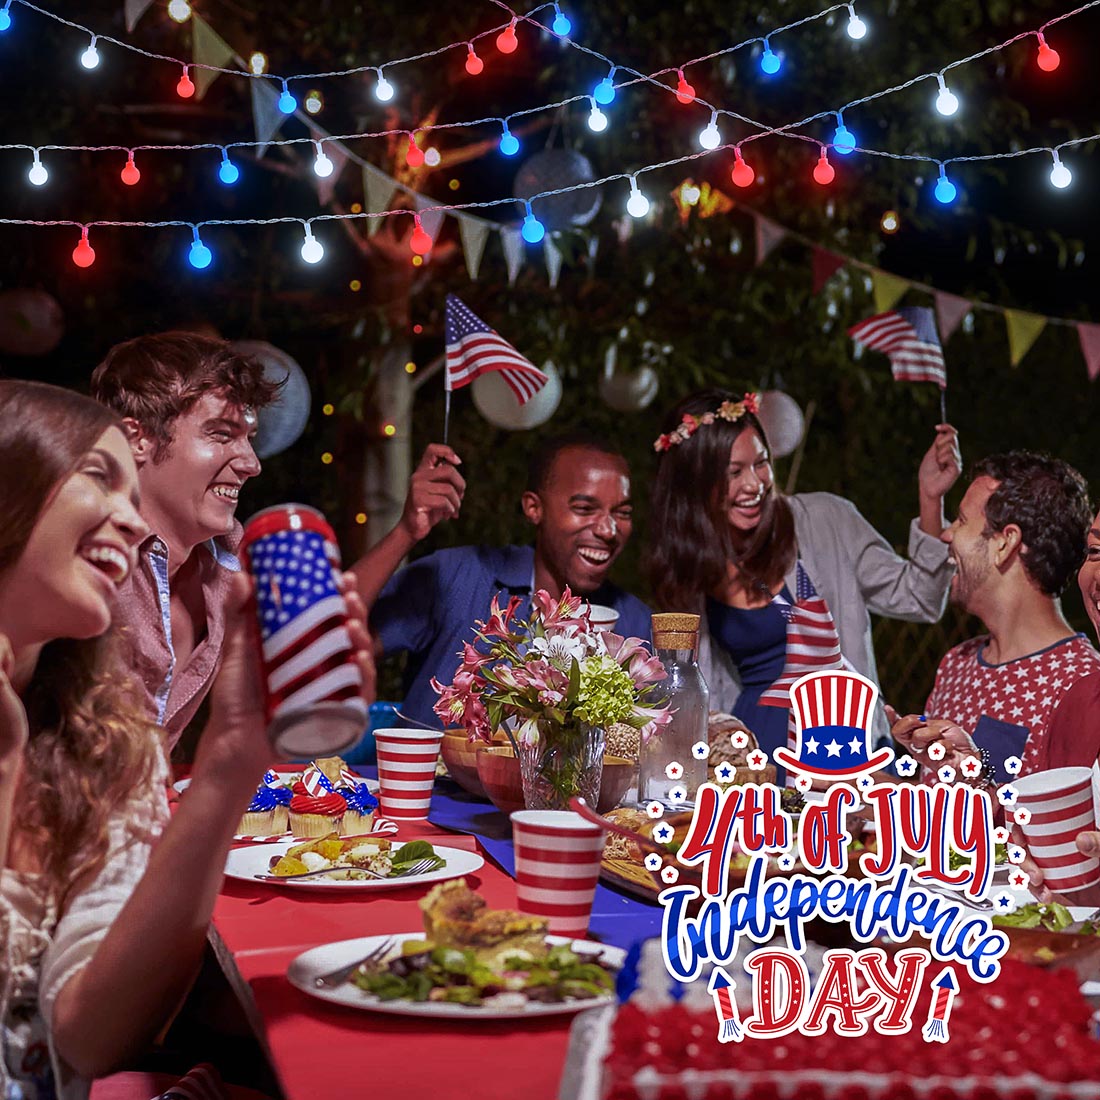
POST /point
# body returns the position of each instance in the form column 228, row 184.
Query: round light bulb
column 890, row 222
column 421, row 240
column 561, row 25
column 509, row 144
column 130, row 173
column 507, row 40
column 710, row 138
column 856, row 27
column 38, row 174
column 742, row 174
column 383, row 90
column 322, row 166
column 1060, row 175
column 824, row 173
column 474, row 64
column 312, row 249
column 947, row 103
column 90, row 58
column 414, row 155
column 533, row 230
column 185, row 89
column 199, row 256
column 770, row 62
column 637, row 206
column 287, row 103
column 685, row 93
column 946, row 192
column 84, row 254
column 844, row 141
column 1048, row 59
column 228, row 172
column 179, row 10
column 5, row 19
column 432, row 157
column 258, row 63
column 597, row 120
column 605, row 91
column 314, row 102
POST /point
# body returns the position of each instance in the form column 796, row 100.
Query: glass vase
column 565, row 761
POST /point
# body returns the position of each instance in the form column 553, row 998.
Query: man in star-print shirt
column 1018, row 539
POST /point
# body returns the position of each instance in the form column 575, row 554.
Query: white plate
column 286, row 778
column 245, row 864
column 323, row 960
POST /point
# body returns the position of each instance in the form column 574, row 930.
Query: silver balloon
column 500, row 406
column 782, row 420
column 547, row 171
column 282, row 422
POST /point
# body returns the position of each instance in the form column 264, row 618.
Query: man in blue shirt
column 577, row 498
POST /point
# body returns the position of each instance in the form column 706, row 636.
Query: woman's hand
column 942, row 464
column 13, row 718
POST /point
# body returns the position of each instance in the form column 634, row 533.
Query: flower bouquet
column 554, row 684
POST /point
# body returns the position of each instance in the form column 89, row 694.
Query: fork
column 417, row 868
column 337, row 977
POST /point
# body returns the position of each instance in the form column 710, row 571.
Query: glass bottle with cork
column 676, row 640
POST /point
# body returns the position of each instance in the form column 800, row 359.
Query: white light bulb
column 179, row 10
column 383, row 90
column 1060, row 175
column 322, row 166
column 258, row 63
column 432, row 157
column 947, row 103
column 312, row 250
column 710, row 138
column 856, row 27
column 90, row 57
column 597, row 120
column 38, row 174
column 637, row 206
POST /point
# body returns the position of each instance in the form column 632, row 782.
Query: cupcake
column 283, row 795
column 259, row 818
column 359, row 817
column 315, row 814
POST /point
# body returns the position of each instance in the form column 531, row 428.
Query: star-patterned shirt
column 1024, row 693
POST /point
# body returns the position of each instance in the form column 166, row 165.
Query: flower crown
column 689, row 425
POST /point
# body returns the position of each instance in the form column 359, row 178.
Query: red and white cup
column 558, row 857
column 406, row 771
column 1062, row 804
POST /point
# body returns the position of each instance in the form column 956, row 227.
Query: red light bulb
column 421, row 240
column 84, row 254
column 742, row 174
column 414, row 155
column 1048, row 58
column 507, row 40
column 685, row 93
column 185, row 89
column 474, row 64
column 823, row 170
column 130, row 174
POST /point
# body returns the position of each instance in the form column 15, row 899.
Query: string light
column 313, row 252
column 84, row 254
column 890, row 222
column 824, row 173
column 37, row 173
column 605, row 90
column 474, row 64
column 90, row 57
column 5, row 16
column 421, row 240
column 179, row 10
column 258, row 63
column 1060, row 175
column 314, row 101
column 322, row 166
column 432, row 157
column 947, row 103
column 1048, row 59
column 857, row 29
column 844, row 141
column 597, row 120
column 742, row 174
column 945, row 191
column 383, row 89
column 228, row 172
column 637, row 206
column 710, row 138
column 185, row 89
column 770, row 62
column 561, row 25
column 507, row 40
column 199, row 255
column 685, row 93
column 287, row 103
column 414, row 155
column 532, row 230
column 130, row 174
column 509, row 143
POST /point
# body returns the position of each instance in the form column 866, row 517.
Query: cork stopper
column 675, row 630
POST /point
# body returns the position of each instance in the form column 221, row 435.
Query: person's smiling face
column 750, row 482
column 1088, row 577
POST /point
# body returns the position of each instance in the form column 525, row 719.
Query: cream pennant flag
column 135, row 9
column 768, row 235
column 515, row 251
column 1089, row 336
column 950, row 310
column 1023, row 331
column 553, row 259
column 887, row 289
column 266, row 116
column 474, row 233
column 378, row 189
column 431, row 220
column 207, row 48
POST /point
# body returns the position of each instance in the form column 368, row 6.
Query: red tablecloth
column 321, row 1051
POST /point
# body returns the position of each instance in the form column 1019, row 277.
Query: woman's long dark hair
column 91, row 746
column 691, row 542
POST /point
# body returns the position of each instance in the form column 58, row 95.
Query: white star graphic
column 855, row 744
column 832, row 749
column 812, row 744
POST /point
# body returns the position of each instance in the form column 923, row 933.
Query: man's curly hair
column 1049, row 501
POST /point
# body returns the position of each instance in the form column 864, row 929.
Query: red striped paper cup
column 558, row 857
column 1062, row 804
column 406, row 771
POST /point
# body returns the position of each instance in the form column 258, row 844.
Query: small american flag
column 908, row 336
column 473, row 348
column 812, row 641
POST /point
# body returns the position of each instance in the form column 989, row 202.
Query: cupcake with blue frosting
column 267, row 812
column 359, row 817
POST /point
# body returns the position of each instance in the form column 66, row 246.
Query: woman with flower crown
column 770, row 573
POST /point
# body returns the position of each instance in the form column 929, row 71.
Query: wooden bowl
column 460, row 756
column 498, row 770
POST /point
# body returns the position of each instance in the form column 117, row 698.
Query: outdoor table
column 318, row 1049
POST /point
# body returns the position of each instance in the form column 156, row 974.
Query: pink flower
column 622, row 649
column 499, row 623
column 646, row 669
column 567, row 611
column 473, row 659
column 662, row 443
column 752, row 403
column 550, row 683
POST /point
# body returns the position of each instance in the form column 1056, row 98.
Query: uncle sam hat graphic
column 832, row 712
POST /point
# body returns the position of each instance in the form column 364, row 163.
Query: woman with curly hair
column 728, row 544
column 101, row 931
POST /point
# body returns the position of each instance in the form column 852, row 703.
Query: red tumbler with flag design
column 311, row 677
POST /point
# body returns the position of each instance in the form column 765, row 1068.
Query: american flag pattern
column 307, row 651
column 473, row 349
column 908, row 336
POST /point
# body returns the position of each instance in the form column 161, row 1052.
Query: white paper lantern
column 282, row 422
column 500, row 406
column 782, row 420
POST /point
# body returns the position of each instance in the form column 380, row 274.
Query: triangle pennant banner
column 474, row 233
column 553, row 261
column 134, row 10
column 825, row 266
column 266, row 116
column 768, row 235
column 207, row 48
column 950, row 310
column 1023, row 331
column 1089, row 336
column 887, row 289
column 515, row 252
column 378, row 189
column 431, row 220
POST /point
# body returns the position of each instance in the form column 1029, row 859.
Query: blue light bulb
column 561, row 24
column 533, row 230
column 605, row 91
column 946, row 191
column 5, row 19
column 228, row 172
column 199, row 256
column 770, row 62
column 844, row 141
column 287, row 103
column 509, row 144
